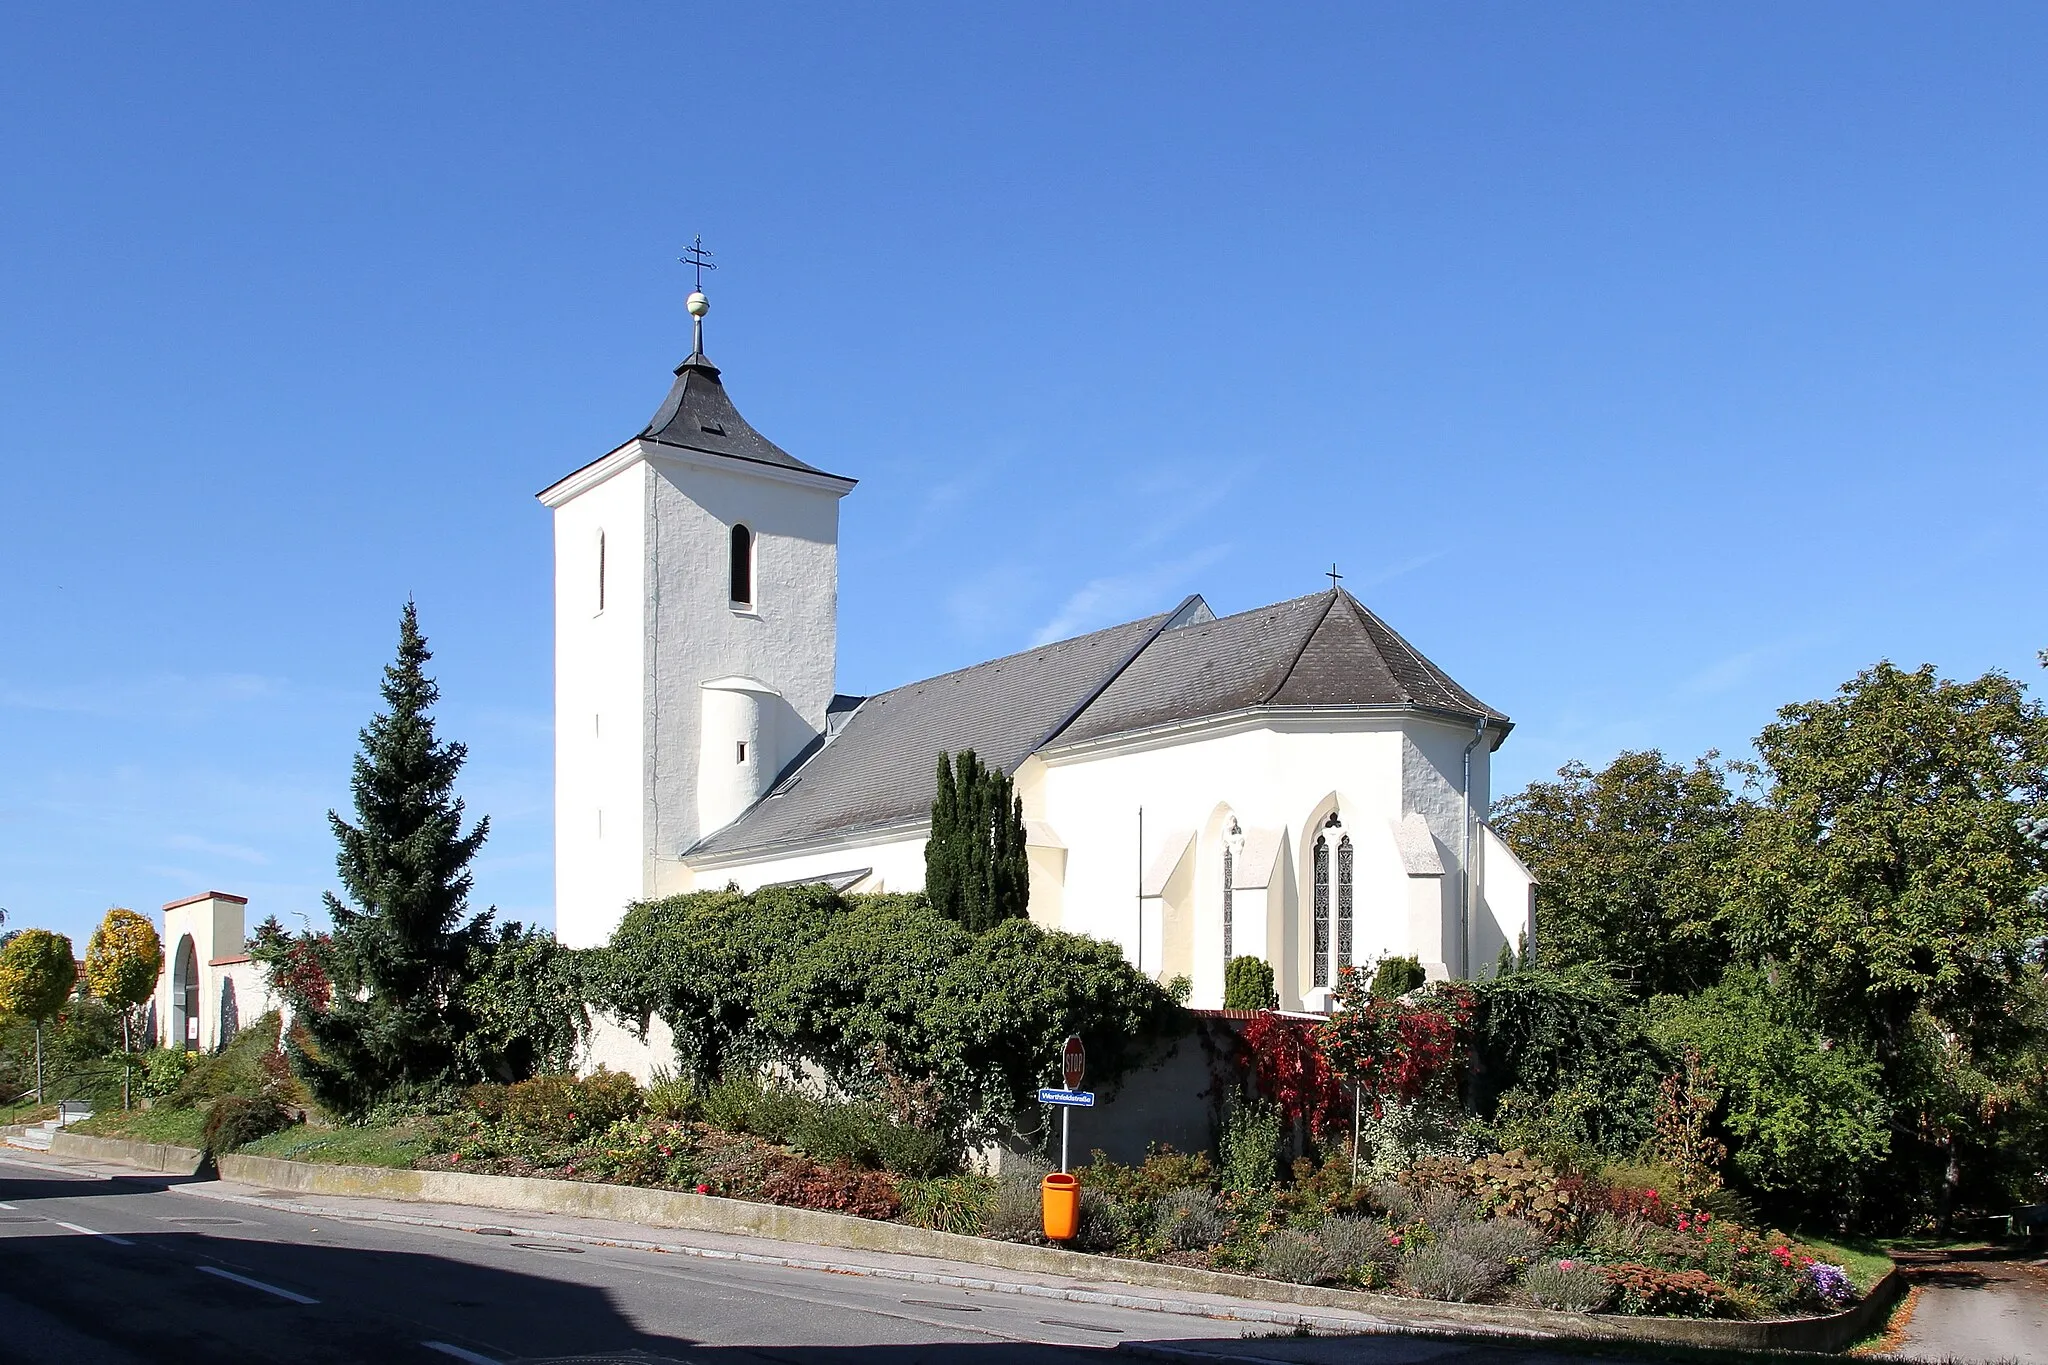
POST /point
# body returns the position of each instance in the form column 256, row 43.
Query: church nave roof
column 878, row 769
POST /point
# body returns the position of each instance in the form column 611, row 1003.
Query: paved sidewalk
column 1979, row 1307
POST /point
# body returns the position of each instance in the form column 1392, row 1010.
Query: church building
column 1297, row 782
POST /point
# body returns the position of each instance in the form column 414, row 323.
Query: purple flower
column 1829, row 1283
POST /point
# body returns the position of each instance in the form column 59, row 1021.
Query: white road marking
column 471, row 1356
column 258, row 1284
column 93, row 1232
column 9, row 1206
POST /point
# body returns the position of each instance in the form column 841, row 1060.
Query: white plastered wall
column 786, row 641
column 1508, row 900
column 600, row 701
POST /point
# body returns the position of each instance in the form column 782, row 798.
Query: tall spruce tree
column 975, row 869
column 404, row 942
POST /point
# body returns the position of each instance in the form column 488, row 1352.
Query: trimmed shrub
column 912, row 1151
column 780, row 1115
column 1015, row 1214
column 1190, row 1220
column 1396, row 976
column 1567, row 1286
column 1293, row 1255
column 236, row 1120
column 548, row 1113
column 161, row 1071
column 1507, row 1240
column 1360, row 1242
column 1650, row 1292
column 1109, row 1223
column 1248, row 985
column 1438, row 1271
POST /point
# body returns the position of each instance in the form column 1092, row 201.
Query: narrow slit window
column 742, row 566
column 742, row 752
column 600, row 571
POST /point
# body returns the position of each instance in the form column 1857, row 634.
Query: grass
column 162, row 1123
column 28, row 1111
column 391, row 1147
column 1864, row 1259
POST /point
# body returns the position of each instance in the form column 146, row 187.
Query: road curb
column 711, row 1213
column 148, row 1156
column 1180, row 1307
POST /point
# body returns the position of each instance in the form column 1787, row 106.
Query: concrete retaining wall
column 708, row 1213
column 150, row 1156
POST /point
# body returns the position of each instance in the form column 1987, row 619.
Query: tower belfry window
column 742, row 566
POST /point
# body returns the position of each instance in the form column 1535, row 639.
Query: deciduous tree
column 1628, row 863
column 37, row 975
column 123, row 960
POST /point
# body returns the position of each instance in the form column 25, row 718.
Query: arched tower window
column 742, row 566
column 600, row 571
column 1332, row 940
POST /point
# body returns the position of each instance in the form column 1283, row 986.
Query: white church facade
column 1296, row 783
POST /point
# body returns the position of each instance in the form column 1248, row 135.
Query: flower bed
column 1502, row 1228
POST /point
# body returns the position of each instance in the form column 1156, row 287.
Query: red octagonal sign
column 1074, row 1061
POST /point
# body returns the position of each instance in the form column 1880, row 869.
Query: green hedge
column 881, row 994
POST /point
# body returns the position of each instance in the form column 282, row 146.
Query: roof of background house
column 879, row 767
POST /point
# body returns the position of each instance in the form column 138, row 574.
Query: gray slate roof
column 697, row 415
column 1322, row 650
column 880, row 767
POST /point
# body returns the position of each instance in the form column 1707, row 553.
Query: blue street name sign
column 1079, row 1099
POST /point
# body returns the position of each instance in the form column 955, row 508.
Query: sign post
column 1073, row 1066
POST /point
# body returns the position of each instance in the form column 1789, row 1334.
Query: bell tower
column 696, row 638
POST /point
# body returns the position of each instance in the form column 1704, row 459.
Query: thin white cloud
column 192, row 843
column 175, row 695
column 1394, row 571
column 1121, row 597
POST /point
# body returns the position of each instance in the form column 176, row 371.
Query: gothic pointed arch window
column 1334, row 918
column 742, row 565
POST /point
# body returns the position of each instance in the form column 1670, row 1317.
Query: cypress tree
column 976, row 871
column 403, row 942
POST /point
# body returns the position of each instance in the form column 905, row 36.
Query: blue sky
column 1648, row 366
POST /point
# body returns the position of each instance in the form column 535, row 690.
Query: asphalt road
column 128, row 1269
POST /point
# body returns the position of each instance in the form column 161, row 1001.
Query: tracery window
column 1229, row 877
column 1332, row 951
column 1343, row 904
column 1321, row 969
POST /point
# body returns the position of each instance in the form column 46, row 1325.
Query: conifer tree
column 976, row 870
column 402, row 946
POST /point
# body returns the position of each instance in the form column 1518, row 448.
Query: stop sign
column 1074, row 1061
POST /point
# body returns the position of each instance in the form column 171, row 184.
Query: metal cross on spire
column 695, row 256
column 698, row 259
column 1333, row 575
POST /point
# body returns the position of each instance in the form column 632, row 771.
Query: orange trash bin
column 1059, row 1196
